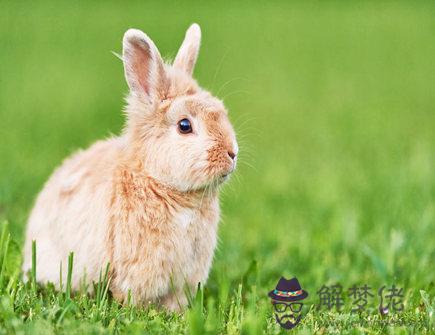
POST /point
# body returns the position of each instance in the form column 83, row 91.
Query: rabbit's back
column 70, row 214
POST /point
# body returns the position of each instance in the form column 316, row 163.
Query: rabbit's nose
column 231, row 154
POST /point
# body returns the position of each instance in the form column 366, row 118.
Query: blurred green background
column 333, row 103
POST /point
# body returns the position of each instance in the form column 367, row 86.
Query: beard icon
column 287, row 314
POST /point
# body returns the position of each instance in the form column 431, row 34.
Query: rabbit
column 146, row 202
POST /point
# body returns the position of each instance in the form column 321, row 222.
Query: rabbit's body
column 150, row 235
column 145, row 202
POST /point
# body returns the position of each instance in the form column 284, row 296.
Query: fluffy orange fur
column 147, row 201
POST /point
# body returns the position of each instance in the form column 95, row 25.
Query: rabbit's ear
column 188, row 53
column 143, row 65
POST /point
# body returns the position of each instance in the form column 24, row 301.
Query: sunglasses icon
column 282, row 306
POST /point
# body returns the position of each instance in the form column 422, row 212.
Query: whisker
column 236, row 92
column 218, row 68
column 229, row 82
column 250, row 165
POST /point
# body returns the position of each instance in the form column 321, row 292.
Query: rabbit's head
column 180, row 131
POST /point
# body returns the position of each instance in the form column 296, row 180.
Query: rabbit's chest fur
column 159, row 240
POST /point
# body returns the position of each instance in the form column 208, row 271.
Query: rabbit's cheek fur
column 179, row 162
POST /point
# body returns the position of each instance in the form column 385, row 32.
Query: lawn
column 334, row 106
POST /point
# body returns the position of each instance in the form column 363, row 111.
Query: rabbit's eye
column 184, row 126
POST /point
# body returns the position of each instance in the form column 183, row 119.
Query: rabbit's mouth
column 226, row 174
column 225, row 177
column 219, row 179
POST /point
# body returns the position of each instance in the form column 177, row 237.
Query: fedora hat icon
column 288, row 290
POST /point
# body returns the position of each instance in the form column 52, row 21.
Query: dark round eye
column 184, row 126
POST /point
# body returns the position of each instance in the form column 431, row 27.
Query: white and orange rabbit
column 147, row 201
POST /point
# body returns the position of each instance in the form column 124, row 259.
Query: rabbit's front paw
column 174, row 302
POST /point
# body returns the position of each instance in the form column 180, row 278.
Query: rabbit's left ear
column 188, row 53
column 143, row 66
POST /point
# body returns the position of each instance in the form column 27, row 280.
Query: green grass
column 334, row 104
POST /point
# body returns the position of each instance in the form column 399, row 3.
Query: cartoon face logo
column 287, row 314
column 286, row 301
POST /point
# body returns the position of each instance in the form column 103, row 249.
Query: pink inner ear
column 190, row 62
column 141, row 61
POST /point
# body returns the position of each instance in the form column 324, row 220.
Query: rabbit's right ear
column 188, row 53
column 143, row 66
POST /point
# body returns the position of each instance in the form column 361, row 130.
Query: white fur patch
column 184, row 218
column 71, row 181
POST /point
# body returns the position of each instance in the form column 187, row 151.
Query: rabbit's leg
column 175, row 301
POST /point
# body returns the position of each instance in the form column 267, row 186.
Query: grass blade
column 4, row 250
column 69, row 276
column 34, row 266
